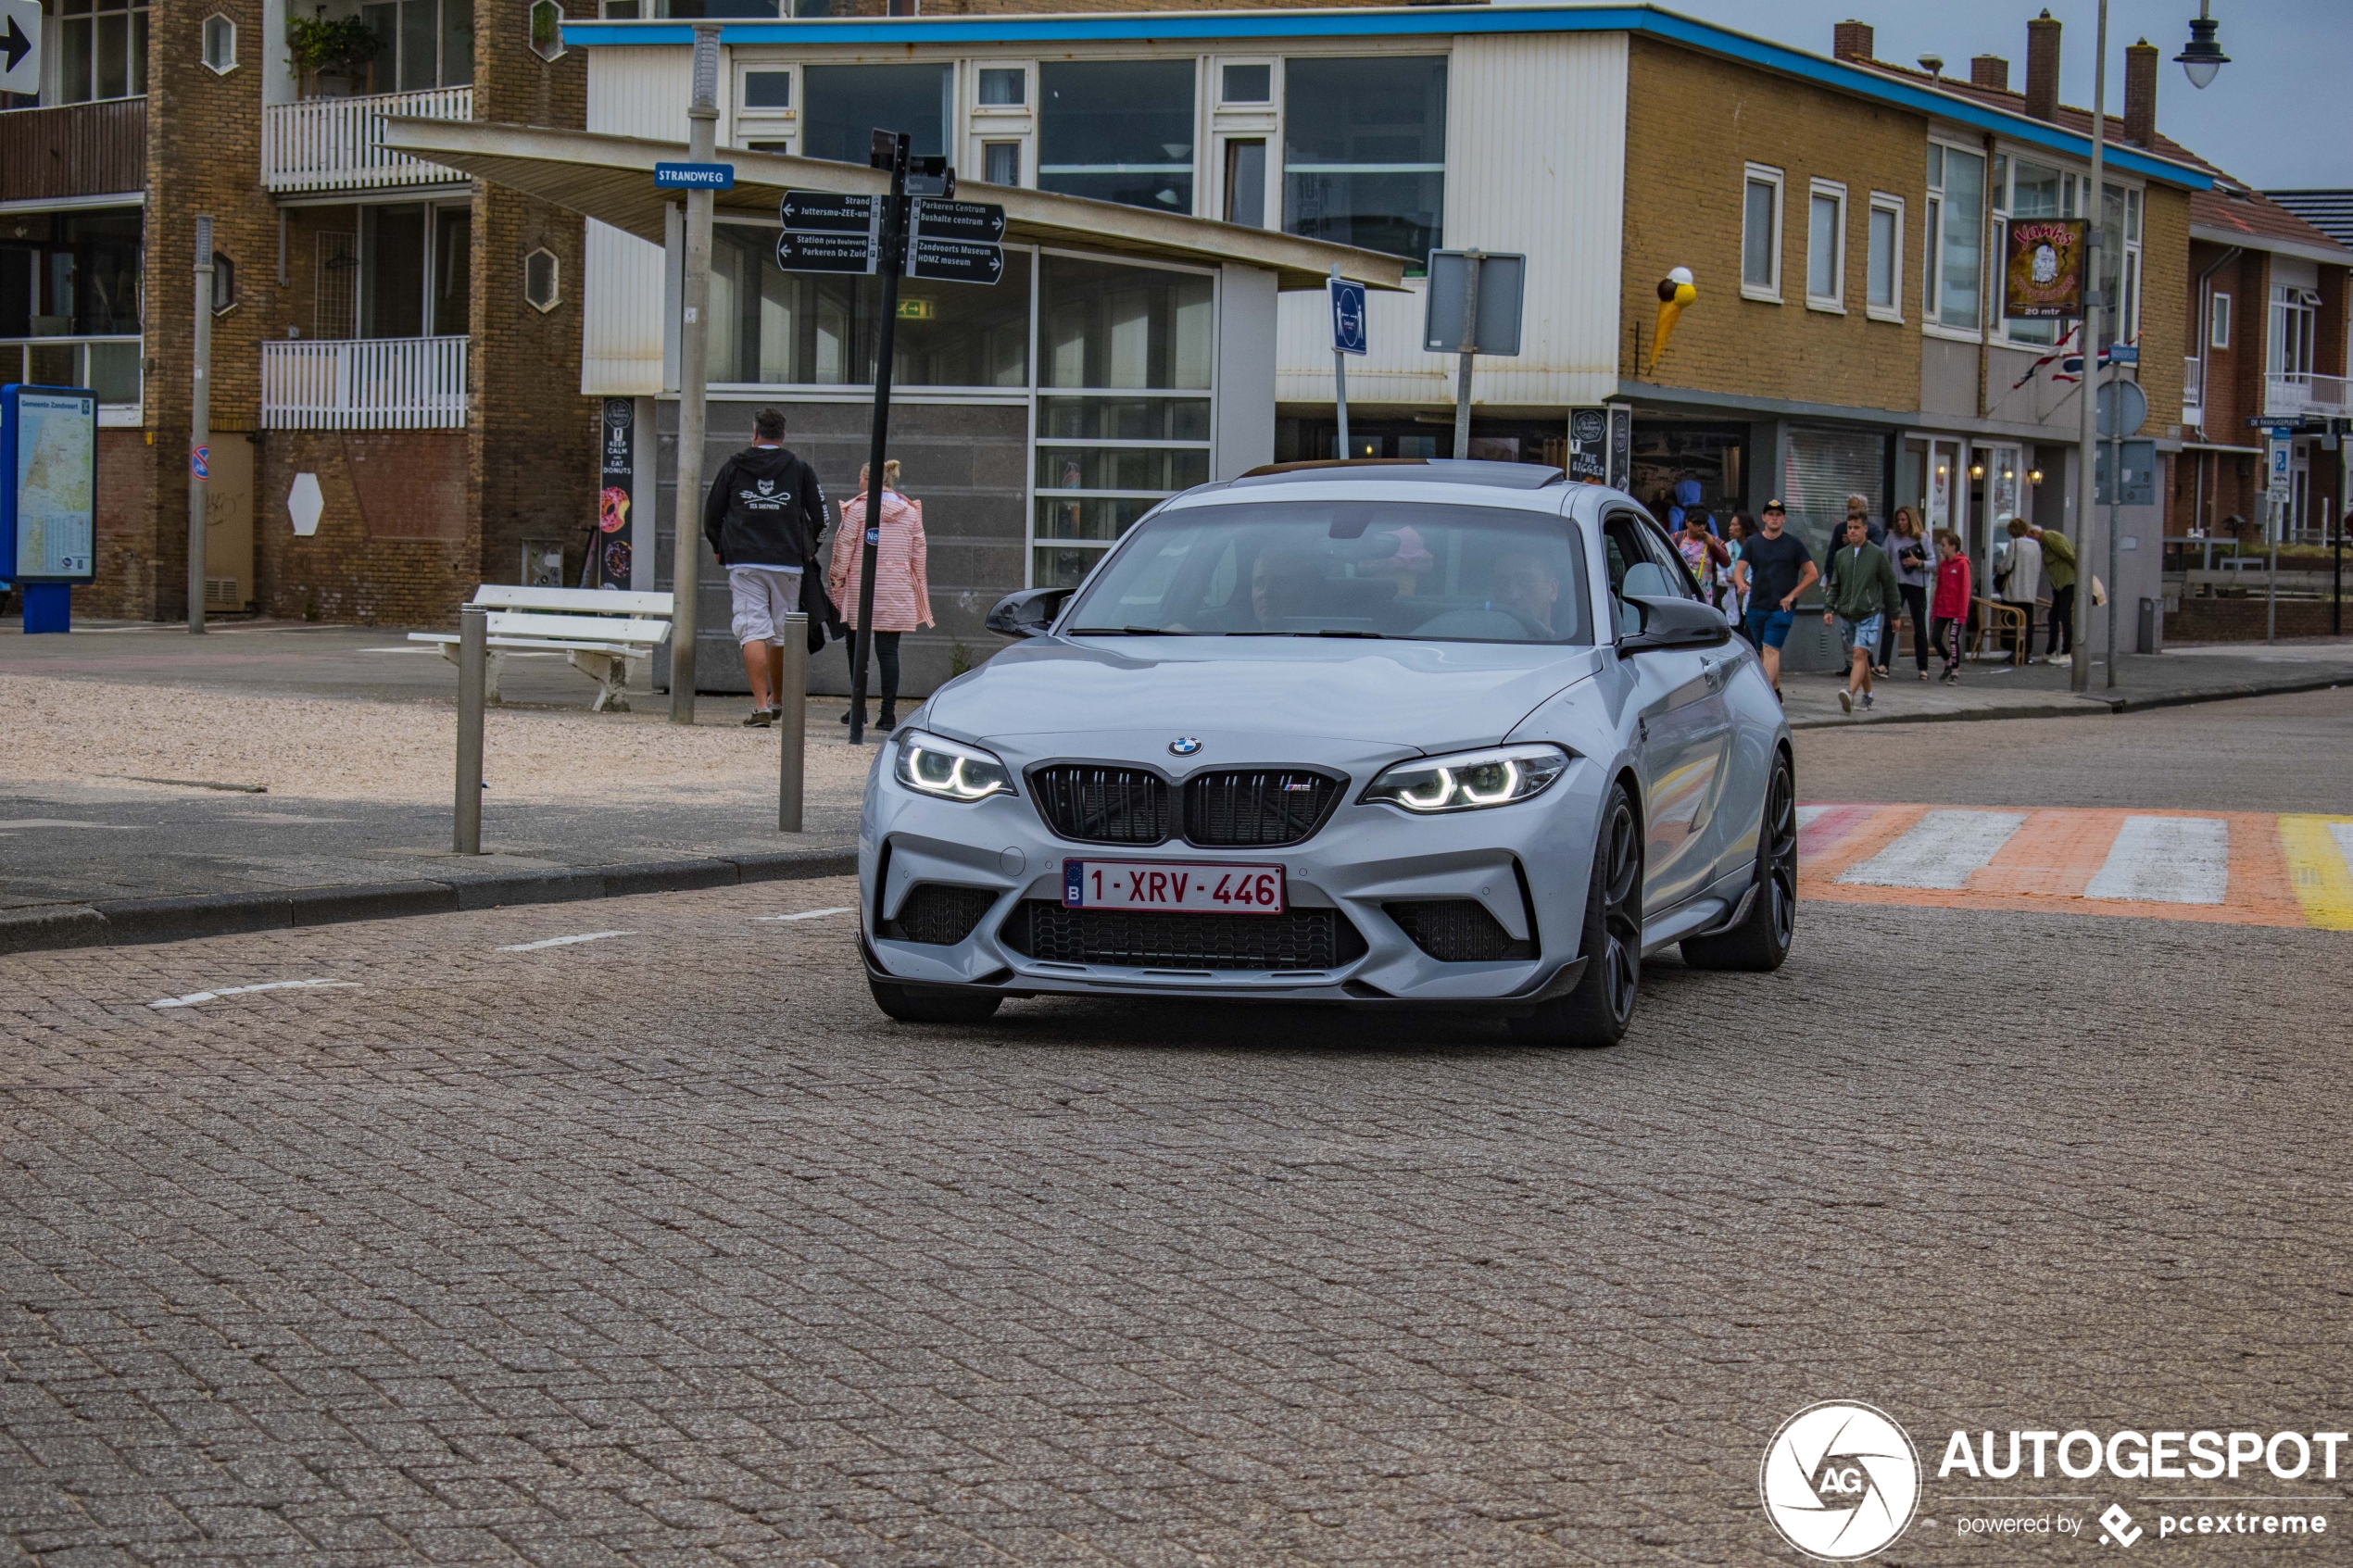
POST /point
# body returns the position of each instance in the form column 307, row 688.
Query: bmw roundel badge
column 1184, row 745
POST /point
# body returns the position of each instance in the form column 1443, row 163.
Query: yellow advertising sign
column 2043, row 268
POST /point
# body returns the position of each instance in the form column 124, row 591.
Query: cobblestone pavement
column 663, row 1248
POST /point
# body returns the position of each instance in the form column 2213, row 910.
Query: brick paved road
column 630, row 1250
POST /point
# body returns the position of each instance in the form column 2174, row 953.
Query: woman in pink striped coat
column 903, row 592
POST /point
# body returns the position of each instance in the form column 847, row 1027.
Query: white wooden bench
column 598, row 631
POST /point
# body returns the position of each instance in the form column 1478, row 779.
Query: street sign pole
column 2114, row 504
column 2079, row 676
column 1340, row 375
column 693, row 360
column 1471, row 269
column 200, row 426
column 889, row 152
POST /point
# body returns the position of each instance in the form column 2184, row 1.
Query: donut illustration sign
column 2042, row 270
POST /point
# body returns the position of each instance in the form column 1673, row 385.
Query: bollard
column 473, row 663
column 792, row 724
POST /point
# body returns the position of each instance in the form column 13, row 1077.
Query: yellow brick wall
column 1693, row 124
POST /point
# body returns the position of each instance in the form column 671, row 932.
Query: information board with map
column 50, row 436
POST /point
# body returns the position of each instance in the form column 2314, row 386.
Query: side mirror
column 1674, row 623
column 1027, row 613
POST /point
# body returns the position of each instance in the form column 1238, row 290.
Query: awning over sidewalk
column 611, row 179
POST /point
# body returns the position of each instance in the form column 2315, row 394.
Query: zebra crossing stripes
column 2166, row 860
column 1943, row 849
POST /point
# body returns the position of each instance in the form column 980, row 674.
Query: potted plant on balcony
column 332, row 58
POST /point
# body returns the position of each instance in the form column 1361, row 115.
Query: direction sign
column 954, row 261
column 694, row 176
column 19, row 46
column 825, row 253
column 1501, row 281
column 935, row 218
column 1348, row 316
column 830, row 212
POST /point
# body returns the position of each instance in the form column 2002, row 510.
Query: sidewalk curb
column 2092, row 707
column 123, row 922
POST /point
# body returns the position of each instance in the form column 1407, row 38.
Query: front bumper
column 1527, row 864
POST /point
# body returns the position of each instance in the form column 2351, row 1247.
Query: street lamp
column 2201, row 56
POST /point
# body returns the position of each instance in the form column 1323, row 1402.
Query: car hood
column 1424, row 696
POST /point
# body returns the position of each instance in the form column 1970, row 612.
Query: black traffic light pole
column 889, row 152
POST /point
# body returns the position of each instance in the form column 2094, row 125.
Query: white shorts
column 763, row 595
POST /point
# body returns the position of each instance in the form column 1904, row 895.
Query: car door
column 1683, row 721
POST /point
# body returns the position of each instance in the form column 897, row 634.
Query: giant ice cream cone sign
column 1675, row 290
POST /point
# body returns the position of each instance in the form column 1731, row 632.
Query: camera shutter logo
column 1840, row 1480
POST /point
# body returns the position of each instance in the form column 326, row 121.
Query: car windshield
column 1409, row 569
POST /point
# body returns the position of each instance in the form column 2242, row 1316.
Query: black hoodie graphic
column 765, row 508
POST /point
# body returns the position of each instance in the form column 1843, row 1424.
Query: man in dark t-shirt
column 1774, row 569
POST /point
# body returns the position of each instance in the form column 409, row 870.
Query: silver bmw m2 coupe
column 1393, row 735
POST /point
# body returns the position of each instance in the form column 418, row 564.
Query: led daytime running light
column 1504, row 774
column 969, row 773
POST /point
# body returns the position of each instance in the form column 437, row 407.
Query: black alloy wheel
column 1598, row 1011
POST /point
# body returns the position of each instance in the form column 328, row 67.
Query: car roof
column 1418, row 470
column 1438, row 483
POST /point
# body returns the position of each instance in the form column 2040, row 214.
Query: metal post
column 2277, row 511
column 894, row 246
column 2336, row 556
column 473, row 668
column 2115, row 502
column 200, row 425
column 694, row 358
column 792, row 724
column 1340, row 374
column 1473, row 261
column 2079, row 676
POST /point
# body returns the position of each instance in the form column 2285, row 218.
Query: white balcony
column 364, row 384
column 337, row 143
column 2294, row 398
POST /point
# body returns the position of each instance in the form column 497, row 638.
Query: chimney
column 2140, row 93
column 1990, row 71
column 2043, row 67
column 1851, row 41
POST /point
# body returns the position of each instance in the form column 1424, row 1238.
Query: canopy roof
column 611, row 179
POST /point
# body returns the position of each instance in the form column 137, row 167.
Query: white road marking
column 193, row 998
column 422, row 648
column 565, row 941
column 1940, row 850
column 1805, row 814
column 810, row 914
column 2342, row 833
column 64, row 823
column 2166, row 860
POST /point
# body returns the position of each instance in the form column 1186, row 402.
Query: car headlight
column 1469, row 781
column 948, row 770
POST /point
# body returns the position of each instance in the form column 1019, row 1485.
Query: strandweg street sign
column 694, row 176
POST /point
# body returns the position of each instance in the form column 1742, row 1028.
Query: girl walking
column 1950, row 611
column 1911, row 555
column 902, row 591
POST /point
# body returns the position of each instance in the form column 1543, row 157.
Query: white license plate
column 1173, row 884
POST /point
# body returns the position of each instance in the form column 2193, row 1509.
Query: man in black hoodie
column 763, row 517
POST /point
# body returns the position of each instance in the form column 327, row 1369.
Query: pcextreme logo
column 1840, row 1480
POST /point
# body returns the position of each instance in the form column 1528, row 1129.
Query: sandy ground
column 336, row 750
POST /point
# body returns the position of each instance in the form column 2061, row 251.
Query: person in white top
column 2022, row 576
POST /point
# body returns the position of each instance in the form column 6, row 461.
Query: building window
column 1246, row 84
column 767, row 90
column 1883, row 297
column 846, row 102
column 2034, row 190
column 1364, row 153
column 424, row 43
column 2220, row 336
column 1825, row 246
column 1761, row 234
column 69, row 274
column 220, row 44
column 1118, row 130
column 2295, row 322
column 1955, row 246
column 1001, row 162
column 542, row 280
column 1246, row 182
column 1004, row 87
column 102, row 49
column 406, row 275
column 224, row 285
column 546, row 28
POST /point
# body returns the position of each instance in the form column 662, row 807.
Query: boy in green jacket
column 1860, row 594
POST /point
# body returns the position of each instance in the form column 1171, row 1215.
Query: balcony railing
column 2289, row 397
column 364, row 384
column 73, row 150
column 337, row 143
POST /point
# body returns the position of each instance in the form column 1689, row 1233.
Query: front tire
column 931, row 1004
column 1596, row 1013
column 1762, row 939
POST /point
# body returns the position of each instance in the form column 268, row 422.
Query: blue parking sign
column 1348, row 316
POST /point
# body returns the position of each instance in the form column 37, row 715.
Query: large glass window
column 812, row 329
column 2035, row 190
column 847, row 104
column 69, row 274
column 1956, row 235
column 102, row 49
column 1117, row 130
column 421, row 43
column 1364, row 153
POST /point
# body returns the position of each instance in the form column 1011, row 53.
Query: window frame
column 1940, row 211
column 1027, row 105
column 226, row 26
column 1882, row 201
column 1834, row 192
column 1764, row 174
column 1276, row 121
column 2217, row 329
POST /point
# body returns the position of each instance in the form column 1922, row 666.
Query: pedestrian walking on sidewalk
column 1860, row 594
column 903, row 589
column 763, row 517
column 1739, row 529
column 1949, row 615
column 1704, row 554
column 2022, row 580
column 2059, row 569
column 1912, row 556
column 1774, row 569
